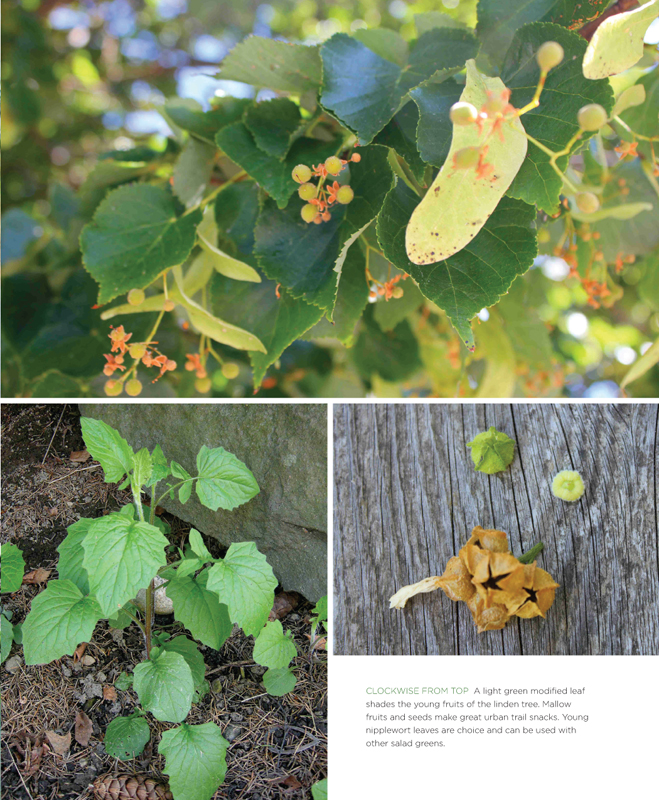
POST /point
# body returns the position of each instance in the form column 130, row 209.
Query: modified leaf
column 492, row 451
column 224, row 481
column 165, row 686
column 198, row 546
column 121, row 557
column 245, row 582
column 126, row 737
column 279, row 682
column 199, row 610
column 221, row 261
column 134, row 236
column 13, row 567
column 60, row 618
column 195, row 760
column 273, row 648
column 459, row 202
column 271, row 64
column 108, row 447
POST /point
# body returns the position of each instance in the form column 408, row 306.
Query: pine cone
column 129, row 787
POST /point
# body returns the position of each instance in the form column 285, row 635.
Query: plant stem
column 171, row 489
column 531, row 554
column 135, row 619
column 149, row 618
column 238, row 176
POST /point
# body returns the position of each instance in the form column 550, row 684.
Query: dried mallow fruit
column 492, row 451
column 568, row 485
column 491, row 581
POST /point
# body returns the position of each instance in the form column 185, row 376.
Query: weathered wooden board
column 406, row 497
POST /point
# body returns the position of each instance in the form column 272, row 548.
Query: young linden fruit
column 463, row 113
column 543, row 236
column 467, row 157
column 493, row 105
column 133, row 387
column 587, row 202
column 203, row 385
column 137, row 351
column 344, row 195
column 568, row 485
column 113, row 388
column 397, row 292
column 333, row 165
column 230, row 371
column 169, row 305
column 301, row 173
column 307, row 191
column 136, row 297
column 308, row 212
column 591, row 117
column 549, row 55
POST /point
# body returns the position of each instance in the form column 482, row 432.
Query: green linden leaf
column 6, row 638
column 400, row 134
column 270, row 64
column 121, row 557
column 394, row 355
column 499, row 19
column 13, row 568
column 631, row 97
column 273, row 648
column 195, row 760
column 273, row 124
column 193, row 171
column 199, row 610
column 385, row 43
column 319, row 790
column 70, row 565
column 390, row 313
column 367, row 103
column 142, row 468
column 134, row 236
column 126, row 737
column 279, row 682
column 459, row 202
column 165, row 686
column 478, row 275
column 188, row 115
column 554, row 122
column 224, row 481
column 198, row 546
column 108, row 447
column 273, row 174
column 617, row 44
column 492, row 451
column 435, row 130
column 188, row 649
column 244, row 581
column 60, row 618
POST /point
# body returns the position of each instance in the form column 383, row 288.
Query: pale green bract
column 623, row 211
column 642, row 365
column 245, row 582
column 273, row 648
column 13, row 567
column 195, row 759
column 617, row 44
column 222, row 262
column 60, row 618
column 165, row 686
column 630, row 97
column 224, row 481
column 459, row 202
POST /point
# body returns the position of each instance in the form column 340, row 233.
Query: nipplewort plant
column 103, row 565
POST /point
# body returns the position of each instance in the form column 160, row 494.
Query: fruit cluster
column 139, row 351
column 319, row 197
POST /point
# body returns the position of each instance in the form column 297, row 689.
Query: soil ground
column 278, row 745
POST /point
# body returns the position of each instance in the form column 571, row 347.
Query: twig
column 620, row 7
column 54, row 434
column 234, row 664
column 68, row 475
column 11, row 755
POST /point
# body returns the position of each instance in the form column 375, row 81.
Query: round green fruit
column 308, row 212
column 345, row 195
column 466, row 157
column 307, row 191
column 137, row 351
column 230, row 371
column 591, row 117
column 301, row 173
column 587, row 202
column 136, row 297
column 113, row 388
column 133, row 387
column 203, row 385
column 463, row 114
column 549, row 55
column 333, row 165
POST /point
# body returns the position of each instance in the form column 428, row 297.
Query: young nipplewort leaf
column 108, row 447
column 273, row 648
column 224, row 481
column 199, row 610
column 13, row 567
column 279, row 682
column 126, row 737
column 165, row 686
column 195, row 760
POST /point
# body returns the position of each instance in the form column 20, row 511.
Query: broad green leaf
column 199, row 610
column 274, row 648
column 193, row 171
column 185, row 490
column 273, row 174
column 394, row 355
column 187, row 567
column 617, row 44
column 60, row 618
column 70, row 565
column 6, row 638
column 188, row 649
column 435, row 131
column 180, row 472
column 477, row 276
column 320, row 609
column 554, row 122
column 244, row 581
column 126, row 737
column 56, row 384
column 108, row 173
column 188, row 115
column 195, row 760
column 366, row 104
column 492, row 451
column 270, row 64
column 221, row 261
column 198, row 546
column 160, row 466
column 385, row 43
column 528, row 333
column 134, row 236
column 319, row 790
column 459, row 202
column 279, row 682
column 499, row 19
column 121, row 557
column 121, row 620
column 165, row 686
column 13, row 568
column 273, row 124
column 124, row 682
column 632, row 96
column 142, row 468
column 224, row 481
column 648, row 286
column 108, row 447
column 401, row 135
column 624, row 211
column 642, row 365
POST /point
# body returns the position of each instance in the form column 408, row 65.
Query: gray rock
column 231, row 732
column 13, row 664
column 284, row 445
column 161, row 602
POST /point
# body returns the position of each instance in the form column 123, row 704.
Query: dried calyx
column 491, row 581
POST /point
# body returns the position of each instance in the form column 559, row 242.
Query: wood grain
column 406, row 497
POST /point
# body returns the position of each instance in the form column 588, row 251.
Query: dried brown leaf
column 79, row 652
column 291, row 783
column 284, row 603
column 59, row 744
column 80, row 456
column 36, row 576
column 83, row 728
column 109, row 693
